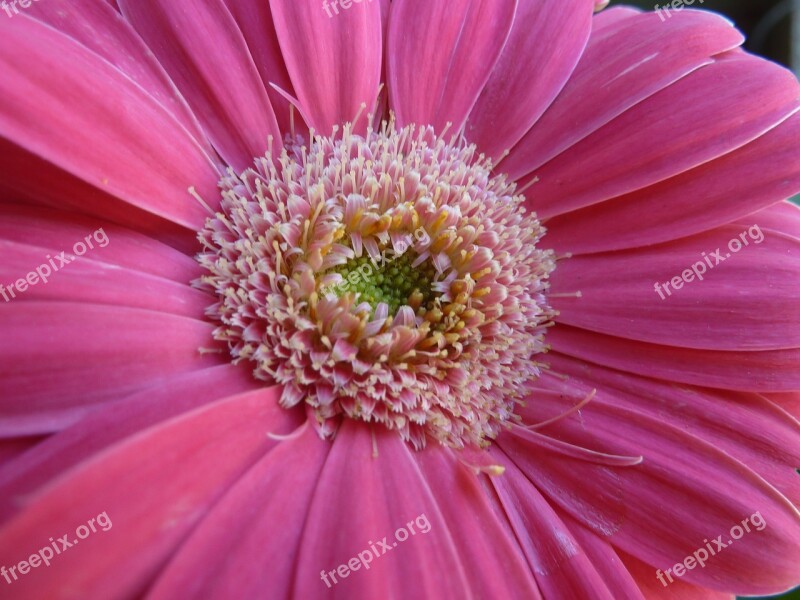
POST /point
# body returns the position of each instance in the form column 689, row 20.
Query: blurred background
column 772, row 28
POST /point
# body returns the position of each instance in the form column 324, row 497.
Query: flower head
column 435, row 299
column 438, row 341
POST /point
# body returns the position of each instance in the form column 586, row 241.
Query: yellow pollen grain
column 434, row 315
column 458, row 287
column 415, row 299
column 451, row 338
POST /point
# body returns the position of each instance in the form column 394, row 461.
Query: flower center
column 394, row 279
column 389, row 278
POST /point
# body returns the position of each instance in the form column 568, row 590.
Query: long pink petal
column 254, row 19
column 783, row 217
column 653, row 141
column 678, row 589
column 60, row 355
column 749, row 296
column 556, row 559
column 27, row 179
column 201, row 47
column 91, row 280
column 724, row 419
column 607, row 561
column 102, row 30
column 111, row 423
column 334, row 60
column 669, row 505
column 440, row 56
column 150, row 496
column 613, row 16
column 126, row 249
column 140, row 154
column 550, row 34
column 789, row 401
column 770, row 371
column 388, row 492
column 248, row 545
column 624, row 64
column 11, row 449
column 761, row 173
column 486, row 544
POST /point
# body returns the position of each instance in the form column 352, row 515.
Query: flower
column 571, row 383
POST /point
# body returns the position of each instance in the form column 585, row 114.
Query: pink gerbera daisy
column 410, row 299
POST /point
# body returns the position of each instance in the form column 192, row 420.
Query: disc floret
column 390, row 278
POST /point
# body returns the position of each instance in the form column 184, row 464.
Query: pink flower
column 520, row 320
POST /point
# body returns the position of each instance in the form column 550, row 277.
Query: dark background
column 768, row 27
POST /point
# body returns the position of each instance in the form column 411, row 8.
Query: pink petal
column 623, row 65
column 148, row 494
column 141, row 154
column 613, row 15
column 100, row 29
column 116, row 421
column 560, row 478
column 26, row 178
column 556, row 559
column 670, row 506
column 676, row 590
column 249, row 542
column 724, row 419
column 750, row 298
column 783, row 217
column 607, row 562
column 334, row 60
column 220, row 82
column 91, row 280
column 254, row 19
column 55, row 356
column 126, row 249
column 790, row 402
column 440, row 56
column 652, row 141
column 12, row 449
column 771, row 371
column 388, row 492
column 550, row 32
column 487, row 545
column 759, row 174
